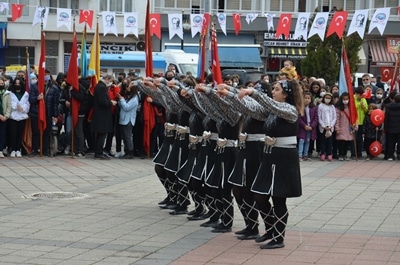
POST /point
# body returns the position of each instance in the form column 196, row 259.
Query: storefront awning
column 287, row 52
column 380, row 55
column 231, row 57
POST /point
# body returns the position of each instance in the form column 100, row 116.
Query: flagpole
column 70, row 110
column 41, row 127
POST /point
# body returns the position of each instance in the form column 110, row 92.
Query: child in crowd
column 326, row 120
column 334, row 141
column 371, row 132
column 378, row 98
column 343, row 126
column 289, row 69
column 307, row 127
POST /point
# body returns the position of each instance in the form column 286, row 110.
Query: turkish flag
column 73, row 79
column 86, row 16
column 386, row 73
column 16, row 11
column 216, row 66
column 237, row 24
column 41, row 84
column 155, row 25
column 148, row 43
column 338, row 23
column 283, row 25
column 149, row 122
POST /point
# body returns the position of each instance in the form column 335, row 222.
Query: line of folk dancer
column 221, row 141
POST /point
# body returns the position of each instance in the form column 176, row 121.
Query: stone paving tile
column 348, row 214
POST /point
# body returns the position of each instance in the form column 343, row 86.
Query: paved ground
column 349, row 214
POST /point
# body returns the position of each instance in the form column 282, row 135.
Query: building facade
column 252, row 38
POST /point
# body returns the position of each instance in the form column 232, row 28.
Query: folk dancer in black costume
column 179, row 152
column 150, row 88
column 228, row 131
column 184, row 173
column 250, row 145
column 206, row 156
column 278, row 176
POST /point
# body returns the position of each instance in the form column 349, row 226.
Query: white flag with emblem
column 379, row 20
column 175, row 25
column 300, row 32
column 64, row 18
column 222, row 22
column 251, row 17
column 196, row 23
column 109, row 23
column 4, row 6
column 41, row 15
column 319, row 25
column 131, row 24
column 358, row 23
column 270, row 21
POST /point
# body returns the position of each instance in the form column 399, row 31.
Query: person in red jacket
column 112, row 93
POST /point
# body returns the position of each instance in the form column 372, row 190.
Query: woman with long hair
column 128, row 102
column 278, row 176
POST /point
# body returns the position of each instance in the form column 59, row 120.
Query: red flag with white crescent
column 86, row 16
column 155, row 25
column 16, row 11
column 41, row 84
column 237, row 24
column 386, row 73
column 283, row 25
column 337, row 24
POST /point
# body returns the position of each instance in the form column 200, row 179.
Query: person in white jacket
column 19, row 114
column 326, row 120
column 128, row 102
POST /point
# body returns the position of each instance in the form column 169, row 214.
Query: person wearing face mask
column 169, row 75
column 51, row 97
column 5, row 112
column 326, row 120
column 102, row 121
column 33, row 78
column 367, row 80
column 121, row 77
column 18, row 116
column 378, row 98
column 343, row 127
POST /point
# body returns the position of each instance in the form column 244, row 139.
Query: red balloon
column 375, row 148
column 377, row 117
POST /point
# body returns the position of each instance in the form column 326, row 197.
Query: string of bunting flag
column 303, row 28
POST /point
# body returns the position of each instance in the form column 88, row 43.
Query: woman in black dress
column 278, row 176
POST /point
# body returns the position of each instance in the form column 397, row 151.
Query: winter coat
column 342, row 125
column 291, row 73
column 392, row 118
column 128, row 111
column 51, row 99
column 102, row 121
column 313, row 123
column 326, row 117
column 24, row 103
column 6, row 99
